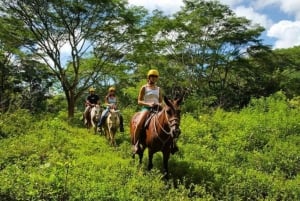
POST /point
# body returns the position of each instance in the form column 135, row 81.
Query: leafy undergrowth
column 252, row 154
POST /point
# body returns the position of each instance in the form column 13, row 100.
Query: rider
column 91, row 100
column 111, row 103
column 150, row 96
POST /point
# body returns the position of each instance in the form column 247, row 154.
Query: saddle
column 152, row 112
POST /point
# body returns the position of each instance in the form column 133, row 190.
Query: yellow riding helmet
column 152, row 72
column 111, row 89
column 92, row 89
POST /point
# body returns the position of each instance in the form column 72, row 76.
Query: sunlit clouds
column 284, row 30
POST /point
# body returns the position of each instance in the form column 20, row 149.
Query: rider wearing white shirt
column 111, row 103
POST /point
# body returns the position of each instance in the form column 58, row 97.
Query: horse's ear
column 167, row 101
column 179, row 100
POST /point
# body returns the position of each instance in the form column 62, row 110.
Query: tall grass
column 252, row 154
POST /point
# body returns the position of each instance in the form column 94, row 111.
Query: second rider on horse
column 110, row 103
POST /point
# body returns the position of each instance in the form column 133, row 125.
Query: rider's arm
column 107, row 103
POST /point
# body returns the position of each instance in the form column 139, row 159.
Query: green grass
column 252, row 154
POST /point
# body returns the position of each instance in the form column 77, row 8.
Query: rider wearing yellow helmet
column 111, row 103
column 91, row 100
column 152, row 72
column 150, row 96
column 92, row 89
column 111, row 89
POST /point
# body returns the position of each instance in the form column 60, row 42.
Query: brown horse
column 160, row 133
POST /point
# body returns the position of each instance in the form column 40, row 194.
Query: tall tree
column 23, row 80
column 213, row 44
column 152, row 50
column 87, row 28
column 204, row 50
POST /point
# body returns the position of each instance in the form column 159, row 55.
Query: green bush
column 252, row 154
column 15, row 124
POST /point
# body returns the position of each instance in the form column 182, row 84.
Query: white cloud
column 291, row 7
column 258, row 4
column 252, row 15
column 286, row 32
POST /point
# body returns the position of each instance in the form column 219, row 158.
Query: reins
column 156, row 121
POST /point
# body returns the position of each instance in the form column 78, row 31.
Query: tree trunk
column 71, row 104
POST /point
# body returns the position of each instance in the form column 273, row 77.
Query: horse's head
column 95, row 112
column 114, row 116
column 172, row 110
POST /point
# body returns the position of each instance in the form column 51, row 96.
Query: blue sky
column 281, row 18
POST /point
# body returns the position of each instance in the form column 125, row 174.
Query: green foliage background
column 252, row 154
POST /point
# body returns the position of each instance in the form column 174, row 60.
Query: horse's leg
column 113, row 138
column 95, row 130
column 141, row 154
column 150, row 163
column 166, row 156
column 86, row 116
column 107, row 133
column 93, row 124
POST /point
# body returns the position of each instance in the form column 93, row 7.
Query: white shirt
column 151, row 95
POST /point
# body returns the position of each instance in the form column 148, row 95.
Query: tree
column 287, row 63
column 88, row 28
column 213, row 46
column 23, row 80
column 151, row 50
column 204, row 50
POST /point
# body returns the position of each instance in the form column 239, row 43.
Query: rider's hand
column 153, row 104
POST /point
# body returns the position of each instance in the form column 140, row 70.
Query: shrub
column 16, row 123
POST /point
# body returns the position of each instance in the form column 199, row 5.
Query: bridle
column 171, row 122
column 114, row 113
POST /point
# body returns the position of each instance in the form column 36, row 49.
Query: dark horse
column 160, row 133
